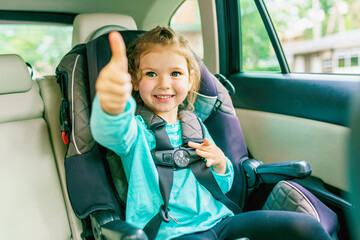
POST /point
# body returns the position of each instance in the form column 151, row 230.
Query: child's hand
column 213, row 155
column 113, row 85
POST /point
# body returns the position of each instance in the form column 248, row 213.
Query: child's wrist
column 219, row 168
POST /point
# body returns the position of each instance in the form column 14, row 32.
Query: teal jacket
column 190, row 203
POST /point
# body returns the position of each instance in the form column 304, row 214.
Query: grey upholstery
column 85, row 28
column 32, row 202
column 287, row 197
column 81, row 138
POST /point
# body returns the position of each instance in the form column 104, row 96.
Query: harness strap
column 166, row 176
column 192, row 131
column 206, row 178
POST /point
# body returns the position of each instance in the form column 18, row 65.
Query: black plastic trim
column 273, row 36
column 223, row 35
column 49, row 17
column 320, row 190
column 319, row 97
column 234, row 38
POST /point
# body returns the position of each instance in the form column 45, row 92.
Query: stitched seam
column 306, row 199
column 205, row 96
column 72, row 105
column 216, row 237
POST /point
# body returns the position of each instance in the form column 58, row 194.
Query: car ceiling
column 145, row 12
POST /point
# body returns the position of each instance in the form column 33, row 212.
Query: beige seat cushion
column 32, row 202
column 86, row 24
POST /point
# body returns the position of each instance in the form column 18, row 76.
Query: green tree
column 40, row 45
column 257, row 53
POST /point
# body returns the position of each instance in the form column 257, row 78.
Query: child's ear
column 135, row 85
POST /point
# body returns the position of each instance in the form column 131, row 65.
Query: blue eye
column 175, row 74
column 150, row 74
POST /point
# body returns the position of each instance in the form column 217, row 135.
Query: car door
column 294, row 106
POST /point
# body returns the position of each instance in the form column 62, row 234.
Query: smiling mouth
column 164, row 96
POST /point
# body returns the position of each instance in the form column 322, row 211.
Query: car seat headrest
column 87, row 27
column 14, row 74
column 19, row 95
column 212, row 94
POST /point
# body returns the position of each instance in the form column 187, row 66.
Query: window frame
column 229, row 22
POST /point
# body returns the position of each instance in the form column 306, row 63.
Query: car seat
column 217, row 114
column 32, row 203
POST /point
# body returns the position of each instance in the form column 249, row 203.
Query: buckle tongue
column 166, row 216
column 173, row 218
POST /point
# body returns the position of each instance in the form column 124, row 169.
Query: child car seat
column 90, row 185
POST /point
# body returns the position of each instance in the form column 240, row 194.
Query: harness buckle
column 179, row 157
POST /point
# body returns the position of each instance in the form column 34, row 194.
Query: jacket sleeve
column 117, row 133
column 225, row 180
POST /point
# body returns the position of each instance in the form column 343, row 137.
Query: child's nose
column 164, row 81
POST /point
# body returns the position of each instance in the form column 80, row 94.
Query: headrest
column 21, row 106
column 211, row 93
column 14, row 74
column 87, row 27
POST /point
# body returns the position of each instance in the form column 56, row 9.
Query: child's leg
column 265, row 225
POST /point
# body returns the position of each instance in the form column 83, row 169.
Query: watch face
column 181, row 158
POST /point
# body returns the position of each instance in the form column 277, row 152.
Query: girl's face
column 164, row 82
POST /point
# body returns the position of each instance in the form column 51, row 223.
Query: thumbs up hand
column 113, row 85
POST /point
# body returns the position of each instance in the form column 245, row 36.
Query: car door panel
column 289, row 117
column 273, row 137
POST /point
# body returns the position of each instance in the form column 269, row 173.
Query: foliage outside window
column 311, row 31
column 42, row 46
column 256, row 49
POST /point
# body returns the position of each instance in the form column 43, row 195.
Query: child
column 165, row 74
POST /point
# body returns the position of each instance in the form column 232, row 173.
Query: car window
column 41, row 45
column 318, row 36
column 257, row 53
column 186, row 21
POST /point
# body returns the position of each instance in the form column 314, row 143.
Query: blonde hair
column 164, row 36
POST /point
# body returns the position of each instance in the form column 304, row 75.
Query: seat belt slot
column 64, row 120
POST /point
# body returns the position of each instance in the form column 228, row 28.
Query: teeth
column 163, row 97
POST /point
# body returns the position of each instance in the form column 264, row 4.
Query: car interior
column 285, row 118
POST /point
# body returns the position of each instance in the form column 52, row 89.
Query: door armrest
column 257, row 172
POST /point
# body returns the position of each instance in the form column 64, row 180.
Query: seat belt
column 166, row 166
